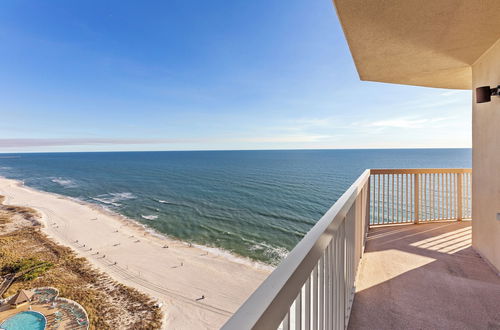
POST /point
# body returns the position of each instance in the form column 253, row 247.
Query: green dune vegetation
column 27, row 268
column 38, row 261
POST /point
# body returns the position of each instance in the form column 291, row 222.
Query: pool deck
column 425, row 276
column 46, row 309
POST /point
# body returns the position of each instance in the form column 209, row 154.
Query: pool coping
column 28, row 311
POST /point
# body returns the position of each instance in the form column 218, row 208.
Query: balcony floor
column 425, row 277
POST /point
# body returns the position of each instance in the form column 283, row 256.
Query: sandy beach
column 199, row 288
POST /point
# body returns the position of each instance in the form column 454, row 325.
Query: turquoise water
column 257, row 204
column 25, row 321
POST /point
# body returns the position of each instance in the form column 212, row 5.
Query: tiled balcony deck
column 425, row 277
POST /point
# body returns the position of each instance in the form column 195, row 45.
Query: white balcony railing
column 313, row 288
column 420, row 195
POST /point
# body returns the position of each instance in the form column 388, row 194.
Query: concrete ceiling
column 419, row 42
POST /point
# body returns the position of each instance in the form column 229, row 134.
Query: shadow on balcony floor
column 425, row 277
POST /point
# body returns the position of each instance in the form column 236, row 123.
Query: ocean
column 255, row 204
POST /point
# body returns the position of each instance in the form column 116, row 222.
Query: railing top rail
column 267, row 306
column 419, row 170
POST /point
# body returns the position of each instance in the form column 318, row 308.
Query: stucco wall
column 486, row 160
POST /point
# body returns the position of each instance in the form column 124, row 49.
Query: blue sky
column 189, row 75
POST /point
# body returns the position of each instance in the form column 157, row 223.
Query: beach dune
column 199, row 288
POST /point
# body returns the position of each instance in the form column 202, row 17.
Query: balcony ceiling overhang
column 429, row 43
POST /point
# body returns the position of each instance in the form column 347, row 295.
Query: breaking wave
column 274, row 254
column 149, row 217
column 66, row 183
column 114, row 198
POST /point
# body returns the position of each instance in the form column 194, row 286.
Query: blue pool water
column 257, row 204
column 25, row 321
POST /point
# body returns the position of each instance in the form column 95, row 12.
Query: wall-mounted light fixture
column 484, row 93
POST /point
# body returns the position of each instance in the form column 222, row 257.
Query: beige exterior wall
column 486, row 160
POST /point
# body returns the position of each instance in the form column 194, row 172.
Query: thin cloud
column 14, row 143
column 406, row 122
column 310, row 125
column 37, row 143
column 287, row 139
column 315, row 122
column 398, row 123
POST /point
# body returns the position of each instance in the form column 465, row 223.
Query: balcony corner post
column 459, row 196
column 416, row 188
column 367, row 207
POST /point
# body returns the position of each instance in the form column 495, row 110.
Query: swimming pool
column 28, row 320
